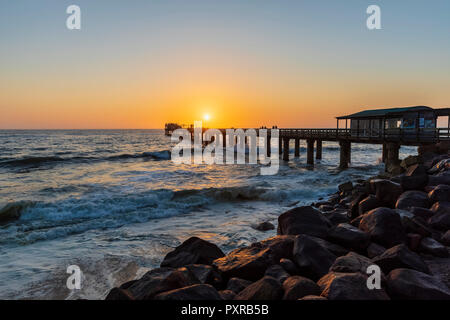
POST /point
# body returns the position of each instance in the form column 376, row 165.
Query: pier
column 391, row 128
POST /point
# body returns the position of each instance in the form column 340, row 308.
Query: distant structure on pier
column 171, row 127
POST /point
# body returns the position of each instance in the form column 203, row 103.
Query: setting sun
column 206, row 117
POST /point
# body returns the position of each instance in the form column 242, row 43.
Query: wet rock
column 276, row 271
column 350, row 263
column 353, row 210
column 374, row 250
column 400, row 257
column 227, row 294
column 387, row 192
column 326, row 208
column 431, row 246
column 440, row 193
column 414, row 285
column 348, row 286
column 192, row 251
column 416, row 225
column 349, row 236
column 413, row 241
column 440, row 178
column 265, row 226
column 414, row 198
column 368, row 203
column 12, row 211
column 421, row 212
column 337, row 216
column 237, row 284
column 148, row 285
column 415, row 182
column 119, row 294
column 267, row 288
column 311, row 257
column 194, row 292
column 289, row 266
column 182, row 277
column 345, row 187
column 205, row 274
column 445, row 239
column 303, row 220
column 335, row 249
column 441, row 219
column 411, row 161
column 251, row 262
column 384, row 226
column 297, row 287
column 442, row 165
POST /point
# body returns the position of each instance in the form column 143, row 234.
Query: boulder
column 411, row 161
column 350, row 263
column 297, row 287
column 227, row 294
column 414, row 285
column 149, row 283
column 303, row 220
column 237, row 284
column 192, row 251
column 337, row 216
column 374, row 250
column 267, row 288
column 182, row 277
column 421, row 212
column 311, row 257
column 413, row 198
column 413, row 241
column 251, row 262
column 384, row 226
column 353, row 209
column 345, row 187
column 205, row 274
column 415, row 182
column 440, row 193
column 439, row 178
column 276, row 271
column 119, row 294
column 431, row 246
column 313, row 298
column 368, row 203
column 194, row 292
column 400, row 257
column 12, row 211
column 289, row 266
column 265, row 226
column 335, row 249
column 445, row 239
column 349, row 236
column 348, row 286
column 442, row 165
column 387, row 192
column 441, row 219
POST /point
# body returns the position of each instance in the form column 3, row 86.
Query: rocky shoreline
column 399, row 223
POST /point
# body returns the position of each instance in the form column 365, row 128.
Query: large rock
column 349, row 236
column 421, row 212
column 414, row 285
column 251, row 262
column 227, row 294
column 192, row 251
column 277, row 271
column 441, row 219
column 303, row 220
column 264, row 226
column 350, row 263
column 289, row 266
column 440, row 178
column 413, row 198
column 374, row 250
column 415, row 178
column 442, row 165
column 12, row 211
column 205, row 274
column 149, row 284
column 400, row 257
column 440, row 193
column 369, row 203
column 267, row 288
column 387, row 192
column 431, row 246
column 237, row 284
column 179, row 278
column 311, row 257
column 345, row 187
column 194, row 292
column 384, row 226
column 119, row 294
column 445, row 239
column 353, row 209
column 297, row 287
column 349, row 286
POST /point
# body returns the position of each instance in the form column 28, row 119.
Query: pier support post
column 384, row 154
column 286, row 149
column 345, row 149
column 310, row 152
column 319, row 149
column 280, row 145
column 392, row 159
column 297, row 148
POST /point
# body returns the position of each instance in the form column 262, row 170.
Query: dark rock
column 368, row 203
column 349, row 236
column 289, row 266
column 297, row 287
column 416, row 170
column 415, row 182
column 227, row 294
column 384, row 226
column 128, row 284
column 353, row 210
column 421, row 212
column 315, row 298
column 205, row 274
column 441, row 219
column 431, row 246
column 192, row 251
column 326, row 208
column 337, row 216
column 182, row 277
column 119, row 294
column 442, row 165
column 265, row 226
column 348, row 286
column 267, row 288
column 374, row 250
column 303, row 220
column 346, row 187
column 311, row 257
column 445, row 239
column 414, row 198
column 355, row 222
column 276, row 271
column 387, row 192
column 237, row 285
column 400, row 257
column 440, row 193
column 440, row 178
column 251, row 262
column 414, row 285
column 12, row 211
column 411, row 161
column 194, row 292
column 416, row 225
column 335, row 249
column 149, row 283
column 413, row 241
column 350, row 263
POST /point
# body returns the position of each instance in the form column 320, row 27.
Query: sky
column 245, row 63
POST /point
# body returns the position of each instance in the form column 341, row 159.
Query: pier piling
column 297, row 148
column 286, row 149
column 310, row 152
column 319, row 149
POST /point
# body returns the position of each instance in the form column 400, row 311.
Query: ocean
column 113, row 203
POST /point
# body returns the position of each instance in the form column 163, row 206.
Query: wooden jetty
column 393, row 127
